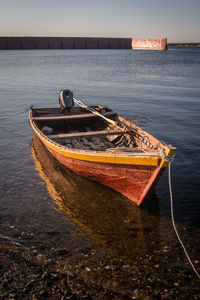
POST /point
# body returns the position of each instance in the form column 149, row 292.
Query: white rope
column 173, row 222
column 13, row 115
column 93, row 111
column 81, row 104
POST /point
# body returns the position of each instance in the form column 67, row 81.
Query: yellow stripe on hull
column 103, row 158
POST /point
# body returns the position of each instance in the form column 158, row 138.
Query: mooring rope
column 12, row 116
column 93, row 111
column 17, row 114
column 173, row 222
column 141, row 138
column 132, row 131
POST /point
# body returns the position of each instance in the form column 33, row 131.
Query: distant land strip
column 184, row 44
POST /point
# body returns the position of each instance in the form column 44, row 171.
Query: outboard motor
column 66, row 100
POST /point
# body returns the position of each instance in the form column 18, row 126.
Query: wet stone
column 61, row 252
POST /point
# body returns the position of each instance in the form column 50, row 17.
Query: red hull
column 132, row 181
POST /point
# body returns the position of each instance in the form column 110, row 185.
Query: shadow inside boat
column 104, row 215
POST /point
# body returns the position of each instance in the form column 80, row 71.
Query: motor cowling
column 66, row 100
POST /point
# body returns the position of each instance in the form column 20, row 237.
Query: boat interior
column 79, row 128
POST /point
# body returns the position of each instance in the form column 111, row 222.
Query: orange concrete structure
column 150, row 44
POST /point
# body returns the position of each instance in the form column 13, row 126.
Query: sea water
column 96, row 226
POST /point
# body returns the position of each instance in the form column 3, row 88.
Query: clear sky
column 178, row 20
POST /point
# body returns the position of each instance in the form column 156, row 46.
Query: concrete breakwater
column 14, row 43
column 151, row 44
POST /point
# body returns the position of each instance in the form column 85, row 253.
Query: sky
column 177, row 20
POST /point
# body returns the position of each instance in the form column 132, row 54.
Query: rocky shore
column 24, row 275
column 27, row 274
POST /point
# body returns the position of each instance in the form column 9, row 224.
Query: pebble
column 40, row 258
column 176, row 284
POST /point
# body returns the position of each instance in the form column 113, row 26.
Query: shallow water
column 102, row 236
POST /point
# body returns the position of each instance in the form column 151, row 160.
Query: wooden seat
column 84, row 134
column 72, row 116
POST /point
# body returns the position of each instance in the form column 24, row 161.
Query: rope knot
column 166, row 157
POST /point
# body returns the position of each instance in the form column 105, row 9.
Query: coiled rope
column 143, row 139
column 173, row 222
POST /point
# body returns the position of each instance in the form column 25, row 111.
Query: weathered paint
column 132, row 181
column 149, row 44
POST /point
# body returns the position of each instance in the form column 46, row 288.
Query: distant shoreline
column 184, row 44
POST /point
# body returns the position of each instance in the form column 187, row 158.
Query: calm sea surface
column 91, row 231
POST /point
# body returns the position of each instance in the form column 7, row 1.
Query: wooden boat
column 97, row 143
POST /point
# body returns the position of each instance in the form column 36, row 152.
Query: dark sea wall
column 9, row 43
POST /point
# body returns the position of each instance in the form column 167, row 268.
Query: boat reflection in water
column 105, row 216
